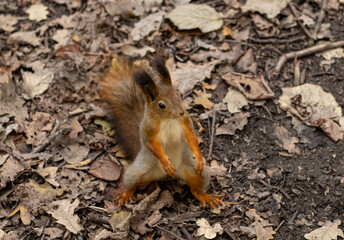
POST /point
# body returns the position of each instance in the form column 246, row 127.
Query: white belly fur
column 171, row 135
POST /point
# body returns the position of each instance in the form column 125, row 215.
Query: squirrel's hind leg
column 197, row 183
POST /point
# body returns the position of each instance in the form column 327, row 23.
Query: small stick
column 186, row 233
column 212, row 135
column 276, row 40
column 306, row 52
column 54, row 133
column 320, row 19
column 279, row 226
column 293, row 10
column 168, row 231
column 277, row 188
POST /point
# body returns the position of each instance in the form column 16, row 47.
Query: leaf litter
column 49, row 70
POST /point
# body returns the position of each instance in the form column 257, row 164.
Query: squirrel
column 153, row 128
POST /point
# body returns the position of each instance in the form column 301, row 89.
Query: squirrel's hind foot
column 211, row 199
column 125, row 197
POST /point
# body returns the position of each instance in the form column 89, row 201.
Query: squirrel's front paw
column 169, row 168
column 199, row 165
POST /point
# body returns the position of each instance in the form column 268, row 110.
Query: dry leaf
column 10, row 103
column 74, row 153
column 286, row 140
column 252, row 88
column 246, row 63
column 203, row 99
column 206, row 230
column 38, row 129
column 130, row 50
column 76, row 128
column 105, row 168
column 7, row 22
column 260, row 227
column 25, row 214
column 48, row 173
column 9, row 171
column 62, row 37
column 36, row 83
column 120, row 7
column 147, row 25
column 120, row 224
column 63, row 212
column 187, row 75
column 333, row 53
column 269, row 7
column 216, row 169
column 329, row 231
column 332, row 129
column 191, row 16
column 37, row 12
column 235, row 100
column 238, row 121
column 24, row 38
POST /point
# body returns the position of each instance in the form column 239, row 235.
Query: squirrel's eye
column 162, row 106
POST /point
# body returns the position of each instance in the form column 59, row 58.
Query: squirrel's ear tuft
column 158, row 64
column 146, row 84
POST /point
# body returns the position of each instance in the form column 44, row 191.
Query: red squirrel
column 153, row 128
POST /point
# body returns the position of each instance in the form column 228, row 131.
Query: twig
column 279, row 226
column 307, row 51
column 293, row 10
column 186, row 233
column 320, row 19
column 212, row 135
column 54, row 133
column 168, row 231
column 276, row 40
column 277, row 188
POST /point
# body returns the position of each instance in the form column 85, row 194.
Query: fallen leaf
column 264, row 27
column 9, row 171
column 38, row 129
column 49, row 174
column 203, row 99
column 62, row 37
column 191, row 16
column 74, row 153
column 246, row 63
column 120, row 224
column 135, row 52
column 333, row 53
column 10, row 103
column 242, row 35
column 120, row 7
column 24, row 38
column 286, row 140
column 216, row 169
column 329, row 231
column 147, row 25
column 252, row 88
column 7, row 22
column 269, row 7
column 238, row 121
column 106, row 126
column 37, row 12
column 76, row 128
column 208, row 231
column 36, row 83
column 25, row 214
column 235, row 100
column 63, row 212
column 260, row 228
column 332, row 129
column 105, row 168
column 186, row 75
column 53, row 232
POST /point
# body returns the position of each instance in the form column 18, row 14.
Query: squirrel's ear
column 146, row 84
column 158, row 64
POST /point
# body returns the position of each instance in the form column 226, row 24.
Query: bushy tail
column 126, row 103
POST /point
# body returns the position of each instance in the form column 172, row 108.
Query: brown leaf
column 147, row 25
column 329, row 231
column 7, row 22
column 216, row 169
column 74, row 153
column 105, row 168
column 76, row 128
column 9, row 171
column 246, row 63
column 286, row 140
column 252, row 88
column 186, row 75
column 24, row 38
column 120, row 224
column 238, row 121
column 39, row 128
column 332, row 129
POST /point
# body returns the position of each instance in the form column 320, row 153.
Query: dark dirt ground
column 309, row 185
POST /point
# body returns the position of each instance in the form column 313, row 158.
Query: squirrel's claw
column 169, row 168
column 210, row 199
column 124, row 198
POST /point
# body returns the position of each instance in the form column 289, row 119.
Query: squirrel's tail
column 126, row 103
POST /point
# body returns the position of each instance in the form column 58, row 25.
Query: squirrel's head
column 161, row 97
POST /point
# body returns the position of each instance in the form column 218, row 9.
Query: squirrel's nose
column 181, row 113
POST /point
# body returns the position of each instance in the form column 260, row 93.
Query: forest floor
column 281, row 173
